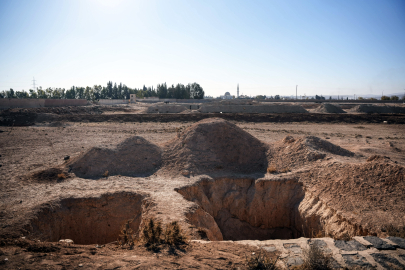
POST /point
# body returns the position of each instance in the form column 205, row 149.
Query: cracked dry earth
column 255, row 185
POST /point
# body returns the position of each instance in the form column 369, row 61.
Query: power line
column 33, row 82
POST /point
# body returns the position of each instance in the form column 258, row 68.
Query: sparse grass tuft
column 173, row 234
column 272, row 169
column 105, row 174
column 260, row 261
column 151, row 234
column 62, row 176
column 285, row 170
column 126, row 235
column 315, row 259
column 345, row 237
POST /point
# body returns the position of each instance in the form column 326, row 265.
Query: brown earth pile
column 369, row 108
column 291, row 152
column 329, row 108
column 372, row 192
column 134, row 156
column 215, row 145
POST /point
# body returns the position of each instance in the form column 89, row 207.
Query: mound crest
column 134, row 156
column 215, row 145
column 329, row 108
column 296, row 152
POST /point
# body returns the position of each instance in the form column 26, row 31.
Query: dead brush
column 315, row 259
column 105, row 174
column 272, row 169
column 285, row 170
column 261, row 261
column 151, row 234
column 62, row 176
column 173, row 234
column 345, row 237
column 126, row 237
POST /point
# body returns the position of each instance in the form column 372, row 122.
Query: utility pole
column 33, row 82
column 237, row 91
column 296, row 95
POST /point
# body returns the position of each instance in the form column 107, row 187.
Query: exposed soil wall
column 87, row 220
column 245, row 209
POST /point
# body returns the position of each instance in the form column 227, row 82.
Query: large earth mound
column 134, row 156
column 291, row 152
column 329, row 108
column 370, row 108
column 215, row 145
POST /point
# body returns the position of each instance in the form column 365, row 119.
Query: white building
column 227, row 96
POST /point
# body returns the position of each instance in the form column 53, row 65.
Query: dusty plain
column 364, row 190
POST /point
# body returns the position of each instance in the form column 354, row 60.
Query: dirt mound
column 296, row 152
column 163, row 108
column 329, row 108
column 371, row 192
column 215, row 145
column 132, row 157
column 369, row 108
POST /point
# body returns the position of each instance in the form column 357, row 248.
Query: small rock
column 66, row 241
column 66, row 157
column 6, row 259
column 185, row 172
column 80, row 265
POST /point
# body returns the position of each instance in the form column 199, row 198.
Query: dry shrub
column 272, row 169
column 105, row 174
column 285, row 170
column 62, row 176
column 126, row 236
column 151, row 234
column 261, row 261
column 345, row 237
column 173, row 234
column 315, row 259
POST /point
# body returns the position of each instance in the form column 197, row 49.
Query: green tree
column 394, row 98
column 197, row 90
column 385, row 98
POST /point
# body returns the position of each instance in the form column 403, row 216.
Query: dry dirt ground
column 221, row 180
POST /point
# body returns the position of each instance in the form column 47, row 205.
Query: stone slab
column 293, row 247
column 356, row 260
column 351, row 245
column 378, row 243
column 387, row 262
column 398, row 240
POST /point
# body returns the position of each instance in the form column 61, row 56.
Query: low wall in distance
column 113, row 101
column 252, row 109
column 6, row 103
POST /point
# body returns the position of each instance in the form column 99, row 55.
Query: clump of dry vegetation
column 272, row 169
column 126, row 237
column 62, row 176
column 173, row 234
column 153, row 236
column 105, row 174
column 315, row 259
column 260, row 261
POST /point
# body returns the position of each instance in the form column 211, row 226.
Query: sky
column 326, row 47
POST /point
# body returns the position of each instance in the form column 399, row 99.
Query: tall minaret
column 237, row 91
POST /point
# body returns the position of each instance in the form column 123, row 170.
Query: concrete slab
column 378, row 243
column 387, row 261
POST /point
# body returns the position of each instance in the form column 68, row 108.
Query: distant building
column 227, row 96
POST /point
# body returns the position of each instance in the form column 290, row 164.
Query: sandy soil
column 31, row 149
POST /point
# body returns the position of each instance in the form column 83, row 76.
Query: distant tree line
column 111, row 91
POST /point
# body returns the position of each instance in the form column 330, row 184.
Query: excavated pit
column 96, row 220
column 248, row 209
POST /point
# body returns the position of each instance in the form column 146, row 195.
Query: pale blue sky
column 325, row 47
